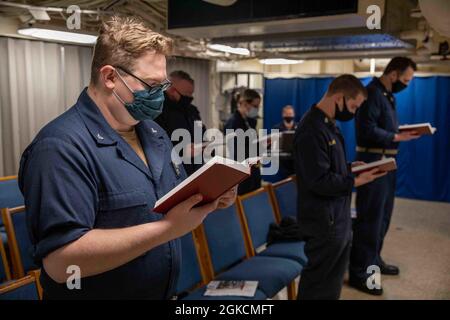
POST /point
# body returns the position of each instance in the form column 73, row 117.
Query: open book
column 231, row 288
column 212, row 180
column 385, row 165
column 420, row 128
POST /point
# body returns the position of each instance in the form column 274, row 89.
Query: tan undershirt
column 133, row 140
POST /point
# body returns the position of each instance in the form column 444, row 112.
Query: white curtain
column 200, row 71
column 38, row 81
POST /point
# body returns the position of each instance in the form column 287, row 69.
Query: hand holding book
column 187, row 215
column 413, row 131
column 368, row 176
column 406, row 136
column 228, row 198
column 215, row 180
column 368, row 172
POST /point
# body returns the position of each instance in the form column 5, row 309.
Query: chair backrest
column 256, row 209
column 190, row 274
column 5, row 274
column 285, row 198
column 19, row 243
column 25, row 288
column 224, row 238
column 10, row 195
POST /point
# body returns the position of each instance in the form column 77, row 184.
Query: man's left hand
column 228, row 198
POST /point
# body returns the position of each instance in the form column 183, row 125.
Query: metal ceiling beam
column 50, row 9
column 293, row 35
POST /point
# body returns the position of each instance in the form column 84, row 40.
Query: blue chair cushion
column 259, row 214
column 23, row 241
column 198, row 295
column 225, row 239
column 26, row 292
column 3, row 236
column 286, row 195
column 272, row 273
column 10, row 195
column 190, row 268
column 291, row 250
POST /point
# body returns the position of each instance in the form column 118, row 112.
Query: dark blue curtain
column 424, row 164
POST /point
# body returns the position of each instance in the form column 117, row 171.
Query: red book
column 212, row 180
column 420, row 128
column 386, row 165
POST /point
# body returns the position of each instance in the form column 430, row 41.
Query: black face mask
column 345, row 114
column 398, row 86
column 184, row 101
column 288, row 119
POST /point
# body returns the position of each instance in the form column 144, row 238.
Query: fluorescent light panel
column 372, row 66
column 228, row 49
column 279, row 61
column 56, row 35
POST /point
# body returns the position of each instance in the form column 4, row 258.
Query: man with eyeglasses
column 91, row 177
column 180, row 113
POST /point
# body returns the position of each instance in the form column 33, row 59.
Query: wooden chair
column 19, row 242
column 25, row 288
column 10, row 195
column 284, row 198
column 223, row 241
column 257, row 211
column 193, row 272
column 5, row 274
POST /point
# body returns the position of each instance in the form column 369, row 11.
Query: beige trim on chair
column 7, row 178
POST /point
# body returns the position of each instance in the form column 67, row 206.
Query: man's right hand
column 185, row 217
column 406, row 136
column 368, row 176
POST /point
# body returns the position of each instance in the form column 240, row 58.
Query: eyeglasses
column 151, row 88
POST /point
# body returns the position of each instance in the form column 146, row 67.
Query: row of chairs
column 231, row 245
column 19, row 276
column 10, row 197
column 228, row 246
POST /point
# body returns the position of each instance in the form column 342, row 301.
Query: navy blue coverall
column 176, row 117
column 79, row 174
column 376, row 125
column 236, row 122
column 324, row 195
column 286, row 164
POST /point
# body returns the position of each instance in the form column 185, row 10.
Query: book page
column 231, row 288
column 373, row 165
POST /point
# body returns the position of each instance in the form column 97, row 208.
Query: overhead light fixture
column 228, row 49
column 277, row 61
column 372, row 66
column 223, row 3
column 58, row 35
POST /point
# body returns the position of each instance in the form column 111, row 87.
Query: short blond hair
column 122, row 40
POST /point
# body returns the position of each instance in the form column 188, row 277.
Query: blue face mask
column 146, row 105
